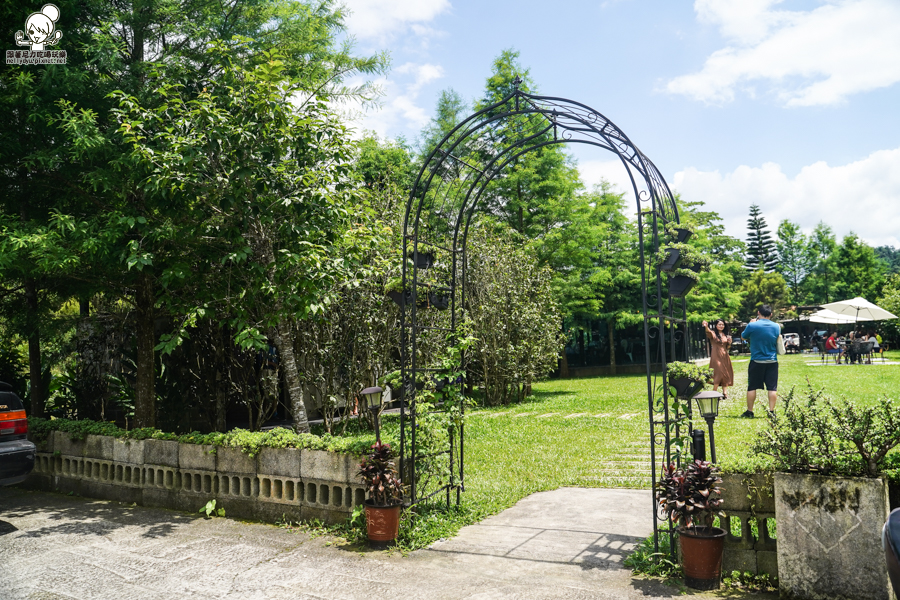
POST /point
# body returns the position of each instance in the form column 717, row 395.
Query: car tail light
column 13, row 423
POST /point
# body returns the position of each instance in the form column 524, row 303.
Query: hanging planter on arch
column 422, row 260
column 672, row 261
column 680, row 285
column 439, row 301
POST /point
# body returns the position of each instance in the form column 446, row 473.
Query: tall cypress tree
column 761, row 252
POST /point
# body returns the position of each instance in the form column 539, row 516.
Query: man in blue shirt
column 762, row 334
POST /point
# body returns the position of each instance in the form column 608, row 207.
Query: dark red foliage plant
column 690, row 496
column 380, row 476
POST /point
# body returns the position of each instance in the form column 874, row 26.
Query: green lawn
column 594, row 433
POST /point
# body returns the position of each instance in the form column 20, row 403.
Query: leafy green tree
column 718, row 290
column 583, row 236
column 611, row 287
column 823, row 273
column 269, row 192
column 535, row 192
column 890, row 256
column 890, row 300
column 512, row 314
column 449, row 112
column 793, row 257
column 763, row 288
column 761, row 252
column 119, row 46
column 385, row 164
column 859, row 272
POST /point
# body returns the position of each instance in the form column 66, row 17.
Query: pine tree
column 761, row 252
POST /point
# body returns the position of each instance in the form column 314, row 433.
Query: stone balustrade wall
column 277, row 485
column 749, row 498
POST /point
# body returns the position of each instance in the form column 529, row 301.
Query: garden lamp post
column 708, row 404
column 373, row 401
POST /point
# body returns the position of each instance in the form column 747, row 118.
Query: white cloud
column 379, row 19
column 399, row 110
column 807, row 58
column 594, row 171
column 863, row 196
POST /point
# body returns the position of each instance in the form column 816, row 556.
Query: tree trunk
column 221, row 378
column 284, row 341
column 610, row 327
column 38, row 396
column 145, row 387
column 281, row 333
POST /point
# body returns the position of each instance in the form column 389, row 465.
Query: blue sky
column 791, row 104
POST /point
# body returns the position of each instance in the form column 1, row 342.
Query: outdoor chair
column 822, row 353
column 852, row 353
column 865, row 349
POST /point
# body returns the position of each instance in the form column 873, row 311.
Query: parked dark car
column 16, row 452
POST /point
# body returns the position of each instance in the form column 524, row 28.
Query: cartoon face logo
column 40, row 28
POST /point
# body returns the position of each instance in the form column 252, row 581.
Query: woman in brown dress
column 719, row 360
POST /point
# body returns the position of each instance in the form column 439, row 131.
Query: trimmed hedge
column 249, row 442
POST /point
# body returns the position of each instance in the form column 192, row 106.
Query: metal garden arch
column 439, row 211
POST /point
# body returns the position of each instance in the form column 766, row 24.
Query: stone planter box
column 279, row 483
column 829, row 544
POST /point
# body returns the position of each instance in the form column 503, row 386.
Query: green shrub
column 686, row 370
column 820, row 435
column 249, row 442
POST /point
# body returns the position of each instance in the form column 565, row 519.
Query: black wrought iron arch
column 449, row 187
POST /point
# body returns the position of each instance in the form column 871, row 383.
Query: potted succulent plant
column 687, row 378
column 681, row 260
column 681, row 234
column 671, row 259
column 690, row 497
column 379, row 474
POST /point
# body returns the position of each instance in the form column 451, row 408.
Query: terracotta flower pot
column 701, row 556
column 382, row 524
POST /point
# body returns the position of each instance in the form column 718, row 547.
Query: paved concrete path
column 566, row 544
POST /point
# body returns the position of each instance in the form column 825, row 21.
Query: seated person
column 852, row 348
column 814, row 342
column 831, row 346
column 875, row 345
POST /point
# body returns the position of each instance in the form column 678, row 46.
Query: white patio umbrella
column 860, row 309
column 830, row 317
